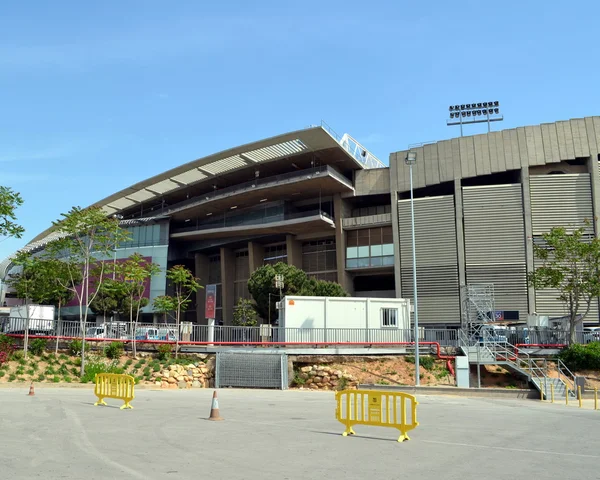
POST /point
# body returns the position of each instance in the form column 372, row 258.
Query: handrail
column 560, row 366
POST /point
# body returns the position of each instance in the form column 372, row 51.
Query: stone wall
column 192, row 375
column 318, row 377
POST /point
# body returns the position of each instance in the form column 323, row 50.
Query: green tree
column 42, row 281
column 9, row 202
column 261, row 286
column 570, row 264
column 164, row 305
column 87, row 237
column 109, row 299
column 244, row 314
column 185, row 285
column 135, row 272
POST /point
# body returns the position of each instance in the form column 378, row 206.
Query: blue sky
column 96, row 96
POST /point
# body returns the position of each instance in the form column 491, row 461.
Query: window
column 389, row 317
column 369, row 247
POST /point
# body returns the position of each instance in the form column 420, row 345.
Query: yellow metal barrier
column 377, row 408
column 112, row 385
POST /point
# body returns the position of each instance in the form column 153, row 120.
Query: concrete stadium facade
column 324, row 203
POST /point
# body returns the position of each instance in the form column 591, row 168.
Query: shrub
column 427, row 362
column 6, row 348
column 128, row 362
column 164, row 352
column 582, row 357
column 50, row 370
column 63, row 357
column 67, row 379
column 12, row 377
column 20, row 370
column 37, row 346
column 75, row 347
column 156, row 368
column 2, row 372
column 114, row 350
column 31, row 372
column 41, row 377
column 22, row 361
column 17, row 355
column 74, row 370
column 63, row 370
column 56, row 379
column 147, row 371
column 95, row 366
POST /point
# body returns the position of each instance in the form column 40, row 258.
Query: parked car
column 107, row 330
column 492, row 334
column 154, row 333
column 591, row 334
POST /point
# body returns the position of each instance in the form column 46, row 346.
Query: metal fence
column 251, row 370
column 232, row 335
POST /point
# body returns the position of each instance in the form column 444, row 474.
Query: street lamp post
column 410, row 160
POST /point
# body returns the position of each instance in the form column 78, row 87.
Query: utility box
column 345, row 319
column 580, row 382
column 462, row 372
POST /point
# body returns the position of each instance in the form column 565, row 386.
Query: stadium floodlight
column 466, row 113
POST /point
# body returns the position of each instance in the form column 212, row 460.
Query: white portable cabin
column 344, row 319
column 41, row 319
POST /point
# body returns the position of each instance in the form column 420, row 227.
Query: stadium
column 326, row 204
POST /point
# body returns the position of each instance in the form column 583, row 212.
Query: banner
column 211, row 301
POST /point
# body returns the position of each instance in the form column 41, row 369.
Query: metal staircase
column 486, row 350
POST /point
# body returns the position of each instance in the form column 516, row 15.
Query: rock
column 325, row 379
column 188, row 385
column 313, row 386
column 158, row 383
column 172, row 380
column 196, row 384
column 190, row 372
column 156, row 374
column 305, row 369
column 190, row 366
column 165, row 373
column 303, row 376
column 309, row 381
column 173, row 367
column 173, row 386
column 164, row 385
column 204, row 369
column 179, row 378
column 317, row 379
column 202, row 356
column 182, row 384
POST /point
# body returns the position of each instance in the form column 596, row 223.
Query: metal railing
column 227, row 334
column 565, row 375
column 354, row 148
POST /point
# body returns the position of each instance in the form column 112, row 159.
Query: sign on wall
column 211, row 301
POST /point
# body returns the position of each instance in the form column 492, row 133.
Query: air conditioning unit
column 278, row 305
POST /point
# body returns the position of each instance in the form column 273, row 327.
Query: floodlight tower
column 467, row 113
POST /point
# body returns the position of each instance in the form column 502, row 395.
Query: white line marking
column 542, row 452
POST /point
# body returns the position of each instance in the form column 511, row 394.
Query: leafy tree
column 185, row 285
column 261, row 286
column 87, row 238
column 135, row 272
column 43, row 281
column 109, row 298
column 570, row 265
column 262, row 283
column 164, row 305
column 9, row 202
column 244, row 314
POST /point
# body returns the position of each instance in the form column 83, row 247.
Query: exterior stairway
column 490, row 352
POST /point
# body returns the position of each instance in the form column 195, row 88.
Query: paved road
column 270, row 435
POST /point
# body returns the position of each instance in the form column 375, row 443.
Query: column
column 294, row 251
column 256, row 255
column 460, row 241
column 227, row 277
column 343, row 278
column 528, row 235
column 201, row 272
column 594, row 171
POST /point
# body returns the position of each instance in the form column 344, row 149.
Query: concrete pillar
column 460, row 241
column 528, row 235
column 340, row 211
column 256, row 255
column 294, row 251
column 594, row 171
column 227, row 277
column 201, row 272
column 395, row 226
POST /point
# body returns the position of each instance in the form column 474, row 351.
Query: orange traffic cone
column 214, row 409
column 31, row 390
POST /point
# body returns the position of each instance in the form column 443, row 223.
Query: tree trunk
column 57, row 330
column 132, row 326
column 572, row 334
column 177, row 333
column 26, row 332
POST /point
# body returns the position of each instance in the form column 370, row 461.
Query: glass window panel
column 388, row 260
column 352, row 252
column 376, row 262
column 388, row 249
column 363, row 262
column 352, row 263
column 363, row 252
column 376, row 251
column 376, row 236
